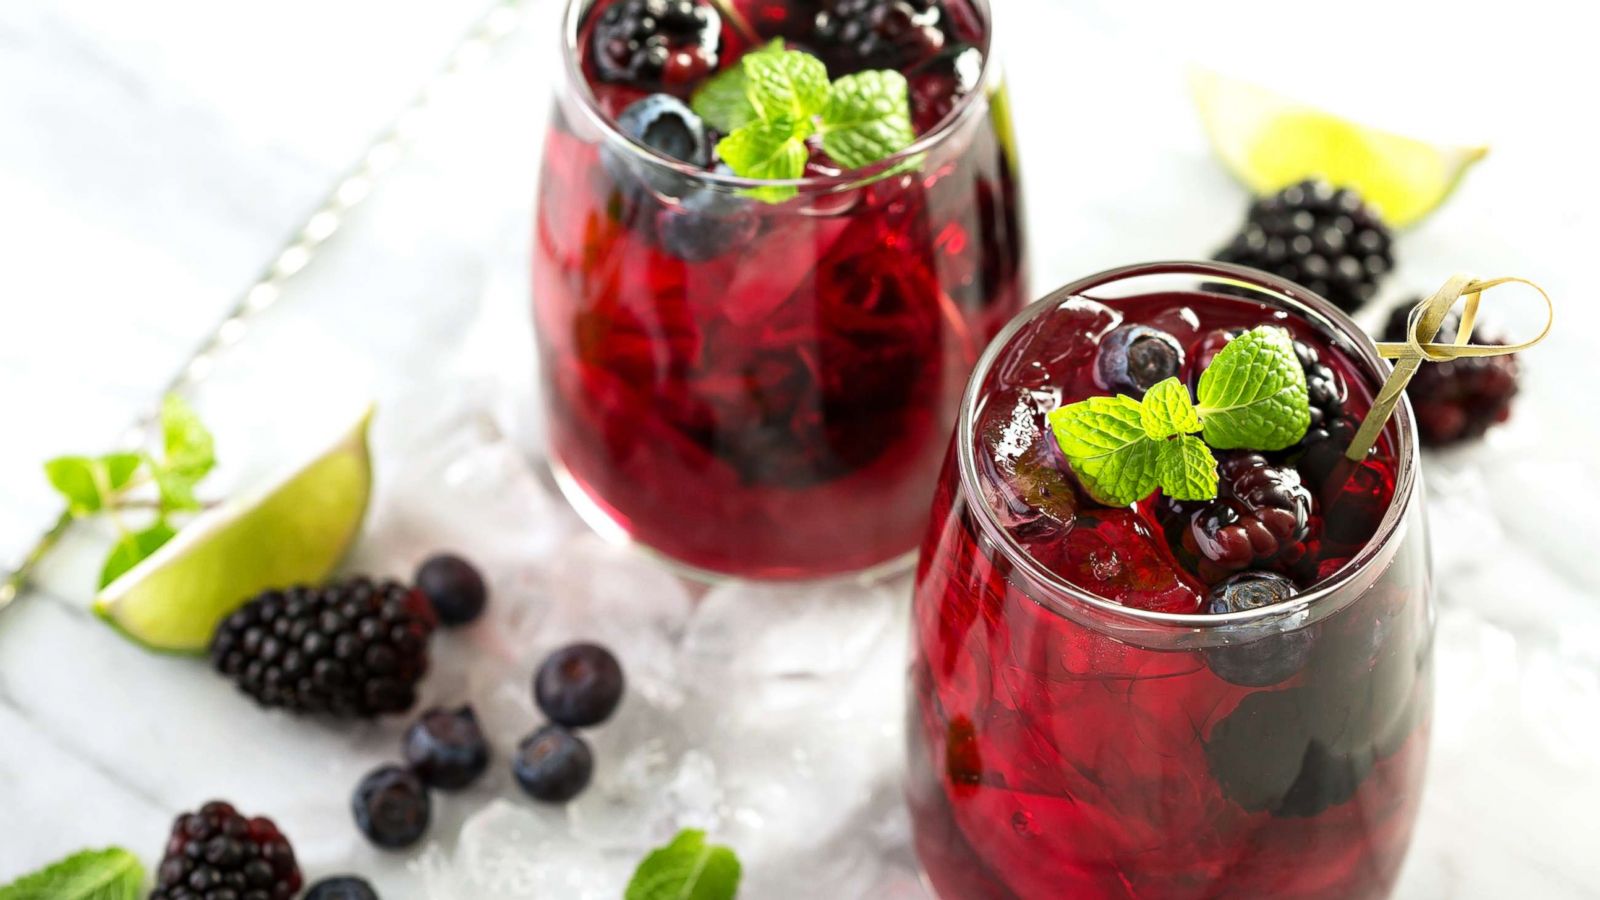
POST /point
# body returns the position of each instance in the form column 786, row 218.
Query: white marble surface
column 152, row 157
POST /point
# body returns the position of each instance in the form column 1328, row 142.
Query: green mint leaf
column 1186, row 470
column 785, row 84
column 186, row 442
column 77, row 478
column 1167, row 410
column 769, row 151
column 723, row 101
column 686, row 869
column 868, row 118
column 1105, row 443
column 1253, row 395
column 132, row 548
column 111, row 874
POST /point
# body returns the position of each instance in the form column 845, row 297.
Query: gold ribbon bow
column 1422, row 325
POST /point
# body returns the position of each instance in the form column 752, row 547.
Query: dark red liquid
column 775, row 410
column 1060, row 750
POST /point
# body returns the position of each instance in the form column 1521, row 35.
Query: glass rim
column 1364, row 353
column 572, row 26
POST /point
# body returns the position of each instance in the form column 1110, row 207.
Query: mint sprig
column 1252, row 395
column 145, row 484
column 686, row 869
column 110, row 874
column 776, row 100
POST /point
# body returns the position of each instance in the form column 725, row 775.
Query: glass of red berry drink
column 755, row 377
column 1172, row 698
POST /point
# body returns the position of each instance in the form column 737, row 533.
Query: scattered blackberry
column 344, row 887
column 1460, row 399
column 652, row 43
column 1327, row 241
column 218, row 853
column 392, row 807
column 854, row 35
column 579, row 685
column 1134, row 358
column 1261, row 517
column 351, row 648
column 446, row 748
column 454, row 588
column 553, row 764
column 1268, row 659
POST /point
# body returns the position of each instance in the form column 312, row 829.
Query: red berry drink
column 755, row 377
column 1171, row 698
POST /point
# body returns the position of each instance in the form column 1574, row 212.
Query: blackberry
column 348, row 649
column 939, row 84
column 1323, row 447
column 553, row 764
column 454, row 588
column 1327, row 241
column 855, row 35
column 579, row 685
column 446, row 748
column 392, row 807
column 217, row 852
column 1324, row 387
column 344, row 887
column 1460, row 399
column 655, row 43
column 1261, row 517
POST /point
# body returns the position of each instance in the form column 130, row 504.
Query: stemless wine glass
column 755, row 389
column 1063, row 745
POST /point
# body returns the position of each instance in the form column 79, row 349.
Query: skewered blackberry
column 216, row 852
column 1460, row 399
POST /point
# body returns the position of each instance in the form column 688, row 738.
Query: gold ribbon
column 1422, row 325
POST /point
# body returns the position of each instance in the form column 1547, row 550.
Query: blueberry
column 579, row 685
column 553, row 764
column 391, row 807
column 344, row 887
column 1134, row 358
column 446, row 748
column 453, row 587
column 708, row 223
column 664, row 124
column 1270, row 658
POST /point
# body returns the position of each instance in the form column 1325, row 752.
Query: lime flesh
column 294, row 532
column 1269, row 142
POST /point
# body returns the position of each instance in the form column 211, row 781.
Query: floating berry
column 1325, row 388
column 217, row 852
column 1267, row 659
column 654, row 43
column 454, row 588
column 392, row 807
column 939, row 85
column 344, row 887
column 553, row 764
column 706, row 224
column 854, row 35
column 579, row 685
column 446, row 748
column 664, row 124
column 1461, row 399
column 1261, row 515
column 1134, row 358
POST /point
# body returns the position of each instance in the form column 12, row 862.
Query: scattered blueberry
column 579, row 685
column 344, row 887
column 1269, row 658
column 1134, row 358
column 707, row 224
column 664, row 124
column 446, row 748
column 392, row 807
column 454, row 588
column 553, row 764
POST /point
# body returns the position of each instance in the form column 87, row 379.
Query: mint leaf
column 785, row 84
column 132, row 548
column 770, row 151
column 1105, row 443
column 1167, row 410
column 186, row 442
column 1186, row 470
column 868, row 118
column 722, row 101
column 76, row 478
column 686, row 869
column 1253, row 394
column 111, row 874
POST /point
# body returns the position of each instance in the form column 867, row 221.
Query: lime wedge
column 1270, row 141
column 295, row 531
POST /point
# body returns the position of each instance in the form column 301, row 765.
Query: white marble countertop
column 153, row 157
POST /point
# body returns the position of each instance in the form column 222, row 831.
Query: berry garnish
column 446, row 748
column 1459, row 399
column 1327, row 241
column 1134, row 358
column 1265, row 660
column 553, row 764
column 652, row 43
column 351, row 648
column 664, row 124
column 1260, row 516
column 454, row 588
column 392, row 807
column 579, row 685
column 939, row 85
column 853, row 35
column 344, row 887
column 217, row 852
column 706, row 224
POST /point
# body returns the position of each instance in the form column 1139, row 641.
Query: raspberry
column 655, row 43
column 349, row 649
column 854, row 35
column 1261, row 517
column 217, row 852
column 1460, row 399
